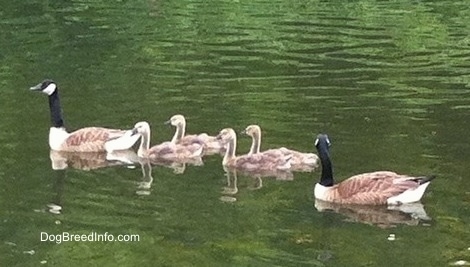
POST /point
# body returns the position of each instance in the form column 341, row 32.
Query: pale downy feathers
column 166, row 150
column 210, row 143
column 249, row 162
column 300, row 161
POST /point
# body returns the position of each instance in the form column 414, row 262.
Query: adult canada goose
column 90, row 139
column 166, row 150
column 300, row 161
column 373, row 188
column 211, row 144
column 249, row 162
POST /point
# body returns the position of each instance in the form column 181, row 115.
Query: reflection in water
column 284, row 175
column 55, row 207
column 178, row 165
column 91, row 160
column 229, row 191
column 143, row 187
column 381, row 216
column 87, row 161
column 256, row 176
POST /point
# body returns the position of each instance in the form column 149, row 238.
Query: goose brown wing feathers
column 374, row 187
column 90, row 139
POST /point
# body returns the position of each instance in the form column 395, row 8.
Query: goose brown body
column 373, row 188
column 300, row 161
column 89, row 139
column 210, row 143
column 165, row 150
column 249, row 162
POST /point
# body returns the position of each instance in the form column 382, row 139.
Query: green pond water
column 389, row 81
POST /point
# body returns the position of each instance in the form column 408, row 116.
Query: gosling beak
column 36, row 87
column 134, row 132
column 167, row 122
column 243, row 132
column 218, row 137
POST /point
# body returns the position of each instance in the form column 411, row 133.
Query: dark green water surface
column 389, row 81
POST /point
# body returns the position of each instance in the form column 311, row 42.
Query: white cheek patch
column 50, row 89
column 316, row 141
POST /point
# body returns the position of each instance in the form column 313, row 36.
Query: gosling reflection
column 255, row 181
column 178, row 165
column 382, row 216
column 144, row 186
column 231, row 189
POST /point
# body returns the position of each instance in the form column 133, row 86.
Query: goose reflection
column 87, row 161
column 382, row 216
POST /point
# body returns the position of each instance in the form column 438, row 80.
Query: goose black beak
column 134, row 132
column 36, row 87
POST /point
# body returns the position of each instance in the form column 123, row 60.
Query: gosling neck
column 55, row 109
column 180, row 130
column 255, row 143
column 327, row 168
column 230, row 152
column 144, row 144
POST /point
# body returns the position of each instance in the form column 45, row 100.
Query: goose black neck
column 326, row 166
column 56, row 112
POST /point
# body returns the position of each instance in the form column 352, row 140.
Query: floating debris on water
column 30, row 252
column 54, row 206
column 54, row 209
column 391, row 237
column 143, row 192
column 43, row 262
column 461, row 263
column 227, row 199
column 58, row 222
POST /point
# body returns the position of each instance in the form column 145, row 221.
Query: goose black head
column 47, row 86
column 322, row 140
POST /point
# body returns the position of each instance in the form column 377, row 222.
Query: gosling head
column 141, row 128
column 252, row 130
column 47, row 86
column 176, row 120
column 226, row 135
column 322, row 141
